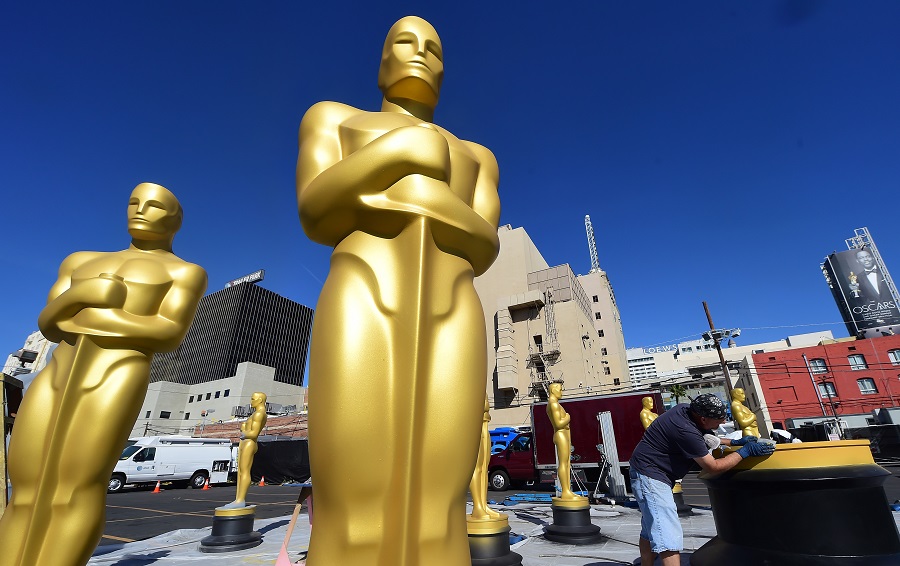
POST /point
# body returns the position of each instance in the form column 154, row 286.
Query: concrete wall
column 185, row 403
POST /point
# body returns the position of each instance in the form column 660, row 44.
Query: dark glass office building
column 243, row 323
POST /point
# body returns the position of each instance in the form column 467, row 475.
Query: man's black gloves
column 756, row 449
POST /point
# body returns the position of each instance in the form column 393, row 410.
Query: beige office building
column 543, row 326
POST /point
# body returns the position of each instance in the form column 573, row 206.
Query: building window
column 818, row 365
column 147, row 416
column 827, row 389
column 596, row 299
column 857, row 361
column 616, row 381
column 602, row 351
column 867, row 386
column 600, row 333
column 191, row 399
column 597, row 315
column 606, row 371
column 227, row 391
column 894, row 355
column 165, row 414
column 208, row 396
column 187, row 416
column 217, row 394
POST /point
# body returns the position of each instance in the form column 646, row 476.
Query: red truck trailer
column 531, row 456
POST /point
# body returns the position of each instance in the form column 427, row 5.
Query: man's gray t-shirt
column 669, row 446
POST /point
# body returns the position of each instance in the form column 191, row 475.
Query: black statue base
column 232, row 531
column 572, row 526
column 823, row 516
column 493, row 550
column 684, row 510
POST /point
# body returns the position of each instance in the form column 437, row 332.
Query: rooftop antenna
column 592, row 245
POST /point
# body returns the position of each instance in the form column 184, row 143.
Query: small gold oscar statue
column 488, row 530
column 571, row 512
column 250, row 430
column 647, row 414
column 743, row 417
column 109, row 312
column 232, row 527
column 398, row 352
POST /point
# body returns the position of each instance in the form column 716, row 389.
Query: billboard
column 862, row 292
column 250, row 278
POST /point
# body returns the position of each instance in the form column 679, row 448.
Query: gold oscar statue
column 743, row 417
column 109, row 311
column 562, row 438
column 647, row 414
column 250, row 430
column 398, row 343
column 478, row 487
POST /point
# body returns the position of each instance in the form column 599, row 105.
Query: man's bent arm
column 717, row 466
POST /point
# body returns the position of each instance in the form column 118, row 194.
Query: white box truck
column 180, row 459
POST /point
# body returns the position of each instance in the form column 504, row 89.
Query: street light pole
column 716, row 336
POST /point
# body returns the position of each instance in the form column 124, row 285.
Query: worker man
column 109, row 312
column 398, row 344
column 664, row 455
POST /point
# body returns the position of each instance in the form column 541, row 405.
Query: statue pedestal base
column 232, row 530
column 824, row 502
column 684, row 510
column 572, row 523
column 489, row 542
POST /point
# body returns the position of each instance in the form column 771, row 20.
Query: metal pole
column 719, row 350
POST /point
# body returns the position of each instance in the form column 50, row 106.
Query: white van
column 172, row 459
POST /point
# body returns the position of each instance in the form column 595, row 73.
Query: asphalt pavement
column 137, row 514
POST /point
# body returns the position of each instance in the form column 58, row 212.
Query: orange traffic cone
column 156, row 489
column 205, row 485
column 262, row 481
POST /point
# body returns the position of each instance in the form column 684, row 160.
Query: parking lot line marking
column 118, row 538
column 158, row 511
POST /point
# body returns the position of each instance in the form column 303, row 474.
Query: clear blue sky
column 722, row 149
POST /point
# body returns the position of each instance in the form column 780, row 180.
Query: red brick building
column 852, row 377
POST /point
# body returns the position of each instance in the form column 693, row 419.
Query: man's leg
column 647, row 555
column 670, row 558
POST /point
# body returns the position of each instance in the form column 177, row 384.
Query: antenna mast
column 592, row 245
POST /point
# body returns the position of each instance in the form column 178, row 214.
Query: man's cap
column 709, row 406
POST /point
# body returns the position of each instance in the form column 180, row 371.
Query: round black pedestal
column 231, row 533
column 493, row 550
column 684, row 510
column 824, row 516
column 572, row 526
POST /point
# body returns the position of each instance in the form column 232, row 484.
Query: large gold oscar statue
column 109, row 312
column 647, row 414
column 562, row 438
column 398, row 342
column 250, row 430
column 744, row 418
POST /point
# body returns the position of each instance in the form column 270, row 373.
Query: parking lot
column 136, row 514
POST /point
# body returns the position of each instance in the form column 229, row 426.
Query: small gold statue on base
column 647, row 414
column 250, row 430
column 109, row 312
column 744, row 418
column 398, row 343
column 479, row 485
column 562, row 438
